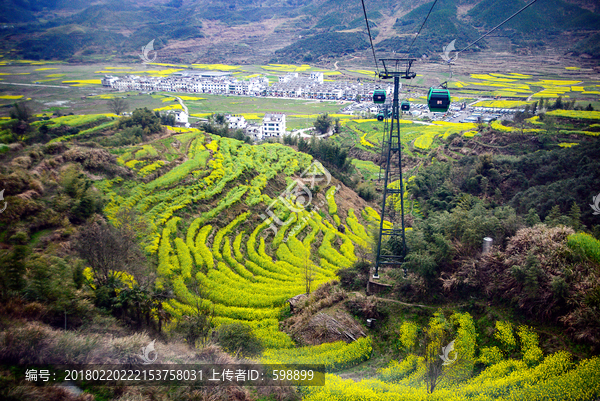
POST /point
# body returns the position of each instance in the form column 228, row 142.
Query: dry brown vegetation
column 540, row 275
column 31, row 342
column 320, row 318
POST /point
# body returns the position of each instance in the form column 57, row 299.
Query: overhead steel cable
column 422, row 25
column 370, row 38
column 493, row 29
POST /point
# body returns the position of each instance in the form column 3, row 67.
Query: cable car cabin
column 405, row 106
column 438, row 100
column 379, row 96
column 380, row 116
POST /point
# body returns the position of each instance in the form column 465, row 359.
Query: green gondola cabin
column 380, row 116
column 405, row 106
column 438, row 100
column 379, row 96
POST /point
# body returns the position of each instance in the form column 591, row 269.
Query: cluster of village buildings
column 272, row 125
column 189, row 81
column 293, row 85
column 311, row 86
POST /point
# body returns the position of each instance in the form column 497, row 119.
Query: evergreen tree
column 532, row 218
column 575, row 215
column 338, row 126
column 12, row 271
column 559, row 103
column 552, row 218
column 323, row 123
column 596, row 231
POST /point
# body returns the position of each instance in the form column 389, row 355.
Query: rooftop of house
column 274, row 116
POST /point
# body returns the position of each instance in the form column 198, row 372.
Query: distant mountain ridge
column 277, row 30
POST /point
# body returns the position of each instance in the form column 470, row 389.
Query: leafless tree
column 434, row 372
column 309, row 274
column 21, row 112
column 108, row 251
column 438, row 340
column 117, row 105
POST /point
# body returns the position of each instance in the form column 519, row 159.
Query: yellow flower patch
column 504, row 104
column 425, row 141
column 365, row 72
column 580, row 114
column 171, row 107
column 511, row 75
column 555, row 82
column 253, row 116
column 218, row 67
column 549, row 94
column 80, row 82
column 169, row 65
column 364, row 142
column 192, row 98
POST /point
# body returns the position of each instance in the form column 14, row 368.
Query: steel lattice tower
column 396, row 69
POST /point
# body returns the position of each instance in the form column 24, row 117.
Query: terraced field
column 527, row 88
column 368, row 134
column 218, row 246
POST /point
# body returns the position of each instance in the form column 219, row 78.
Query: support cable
column 422, row 25
column 494, row 28
column 370, row 38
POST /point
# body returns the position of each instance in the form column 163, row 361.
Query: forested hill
column 280, row 29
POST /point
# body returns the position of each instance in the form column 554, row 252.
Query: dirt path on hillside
column 402, row 303
column 42, row 85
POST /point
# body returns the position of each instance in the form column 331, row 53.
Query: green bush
column 366, row 191
column 355, row 277
column 239, row 338
column 585, row 245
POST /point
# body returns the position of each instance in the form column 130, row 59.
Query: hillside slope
column 253, row 31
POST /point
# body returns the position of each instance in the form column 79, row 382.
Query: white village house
column 236, row 122
column 181, row 117
column 273, row 124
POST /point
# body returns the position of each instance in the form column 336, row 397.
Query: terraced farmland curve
column 228, row 234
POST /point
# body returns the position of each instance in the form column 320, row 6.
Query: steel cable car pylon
column 394, row 153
